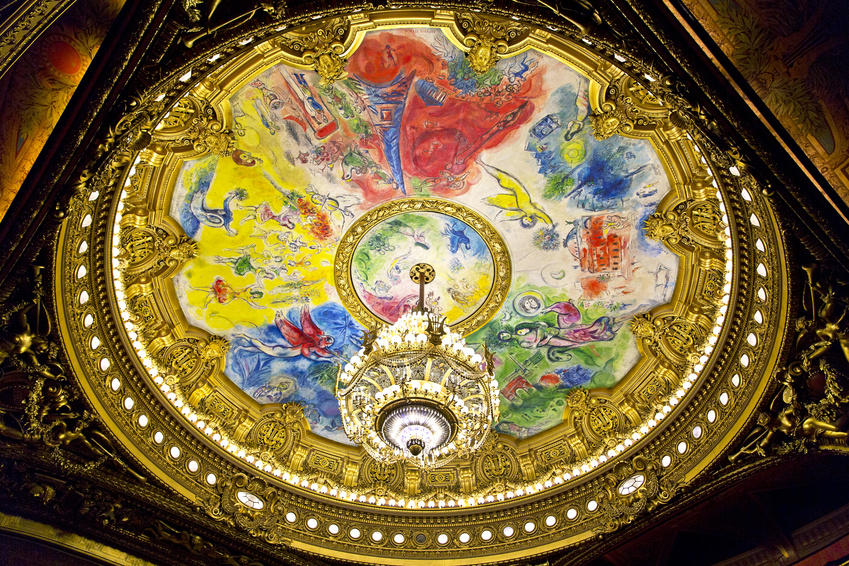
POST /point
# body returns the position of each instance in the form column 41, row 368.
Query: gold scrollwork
column 552, row 454
column 251, row 504
column 193, row 124
column 669, row 336
column 631, row 489
column 278, row 431
column 207, row 134
column 323, row 464
column 488, row 39
column 219, row 406
column 321, row 47
column 597, row 417
column 189, row 359
column 440, row 478
column 153, row 251
column 690, row 223
column 502, row 265
column 378, row 474
column 496, row 462
column 626, row 109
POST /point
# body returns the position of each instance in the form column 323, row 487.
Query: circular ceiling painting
column 266, row 216
column 411, row 120
column 467, row 252
column 449, row 244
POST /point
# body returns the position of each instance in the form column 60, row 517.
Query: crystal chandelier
column 416, row 391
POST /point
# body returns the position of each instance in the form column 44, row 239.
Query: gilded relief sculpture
column 244, row 224
column 811, row 408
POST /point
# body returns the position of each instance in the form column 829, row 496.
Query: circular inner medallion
column 383, row 258
column 376, row 256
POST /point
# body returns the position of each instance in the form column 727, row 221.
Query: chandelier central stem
column 422, row 273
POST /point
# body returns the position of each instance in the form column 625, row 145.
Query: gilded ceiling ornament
column 380, row 474
column 321, row 47
column 632, row 488
column 622, row 111
column 207, row 134
column 154, row 251
column 221, row 407
column 689, row 223
column 557, row 452
column 595, row 416
column 251, row 504
column 813, row 400
column 714, row 281
column 196, row 544
column 440, row 478
column 323, row 464
column 488, row 38
column 496, row 462
column 202, row 17
column 190, row 359
column 215, row 349
column 279, row 432
column 669, row 336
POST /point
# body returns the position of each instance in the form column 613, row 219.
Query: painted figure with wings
column 308, row 340
column 516, row 204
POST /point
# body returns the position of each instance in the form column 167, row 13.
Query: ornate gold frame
column 668, row 456
column 502, row 266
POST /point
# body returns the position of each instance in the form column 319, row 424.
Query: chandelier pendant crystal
column 416, row 392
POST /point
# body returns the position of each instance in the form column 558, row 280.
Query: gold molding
column 69, row 541
column 501, row 263
column 505, row 466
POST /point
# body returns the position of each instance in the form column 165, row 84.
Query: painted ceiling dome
column 267, row 219
column 536, row 228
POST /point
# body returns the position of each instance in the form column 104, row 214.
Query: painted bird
column 517, row 204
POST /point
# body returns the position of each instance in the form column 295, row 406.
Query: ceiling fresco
column 36, row 89
column 792, row 54
column 258, row 211
column 413, row 121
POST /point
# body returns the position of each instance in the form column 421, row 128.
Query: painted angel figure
column 308, row 340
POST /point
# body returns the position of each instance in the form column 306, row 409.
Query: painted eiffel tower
column 386, row 103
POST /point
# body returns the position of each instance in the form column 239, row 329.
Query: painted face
column 530, row 304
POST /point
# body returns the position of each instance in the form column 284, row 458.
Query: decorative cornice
column 23, row 27
column 112, row 155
